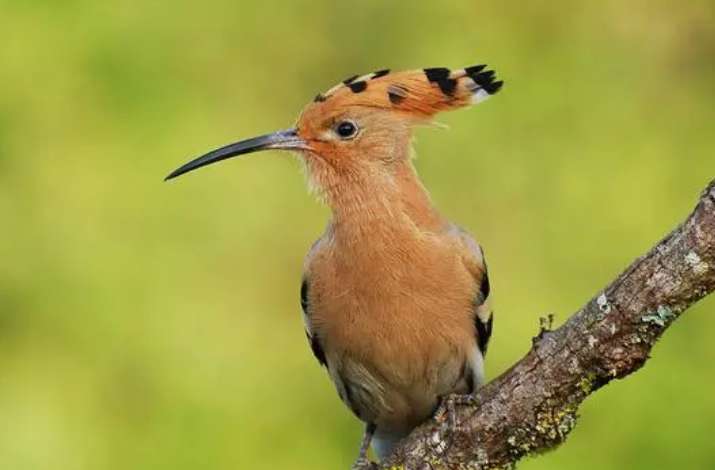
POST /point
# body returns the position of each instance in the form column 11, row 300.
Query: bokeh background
column 151, row 325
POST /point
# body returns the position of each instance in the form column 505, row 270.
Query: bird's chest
column 400, row 306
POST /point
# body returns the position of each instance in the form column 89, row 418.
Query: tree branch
column 532, row 406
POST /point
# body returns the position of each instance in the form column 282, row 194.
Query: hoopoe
column 394, row 295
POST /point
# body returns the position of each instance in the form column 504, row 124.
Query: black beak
column 287, row 140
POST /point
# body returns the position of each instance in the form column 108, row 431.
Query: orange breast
column 396, row 323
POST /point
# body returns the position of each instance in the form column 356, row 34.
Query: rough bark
column 533, row 406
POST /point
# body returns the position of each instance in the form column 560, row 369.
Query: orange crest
column 422, row 92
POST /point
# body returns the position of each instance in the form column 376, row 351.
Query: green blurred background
column 148, row 325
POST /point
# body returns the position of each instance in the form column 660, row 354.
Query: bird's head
column 363, row 125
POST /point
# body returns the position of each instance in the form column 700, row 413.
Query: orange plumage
column 394, row 295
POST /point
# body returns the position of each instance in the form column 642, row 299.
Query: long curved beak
column 286, row 140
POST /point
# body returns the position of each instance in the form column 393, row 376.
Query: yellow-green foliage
column 147, row 325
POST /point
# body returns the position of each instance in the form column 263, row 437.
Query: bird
column 395, row 297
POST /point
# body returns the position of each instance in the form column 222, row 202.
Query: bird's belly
column 397, row 392
column 391, row 367
column 396, row 335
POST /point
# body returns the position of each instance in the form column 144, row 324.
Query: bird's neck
column 383, row 205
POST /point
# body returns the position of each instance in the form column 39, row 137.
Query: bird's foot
column 363, row 463
column 448, row 409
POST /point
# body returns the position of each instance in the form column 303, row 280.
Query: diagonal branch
column 532, row 406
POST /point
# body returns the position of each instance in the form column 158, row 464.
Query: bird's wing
column 473, row 257
column 313, row 339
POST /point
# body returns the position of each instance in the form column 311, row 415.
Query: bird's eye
column 346, row 129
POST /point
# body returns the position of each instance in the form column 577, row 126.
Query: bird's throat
column 389, row 206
